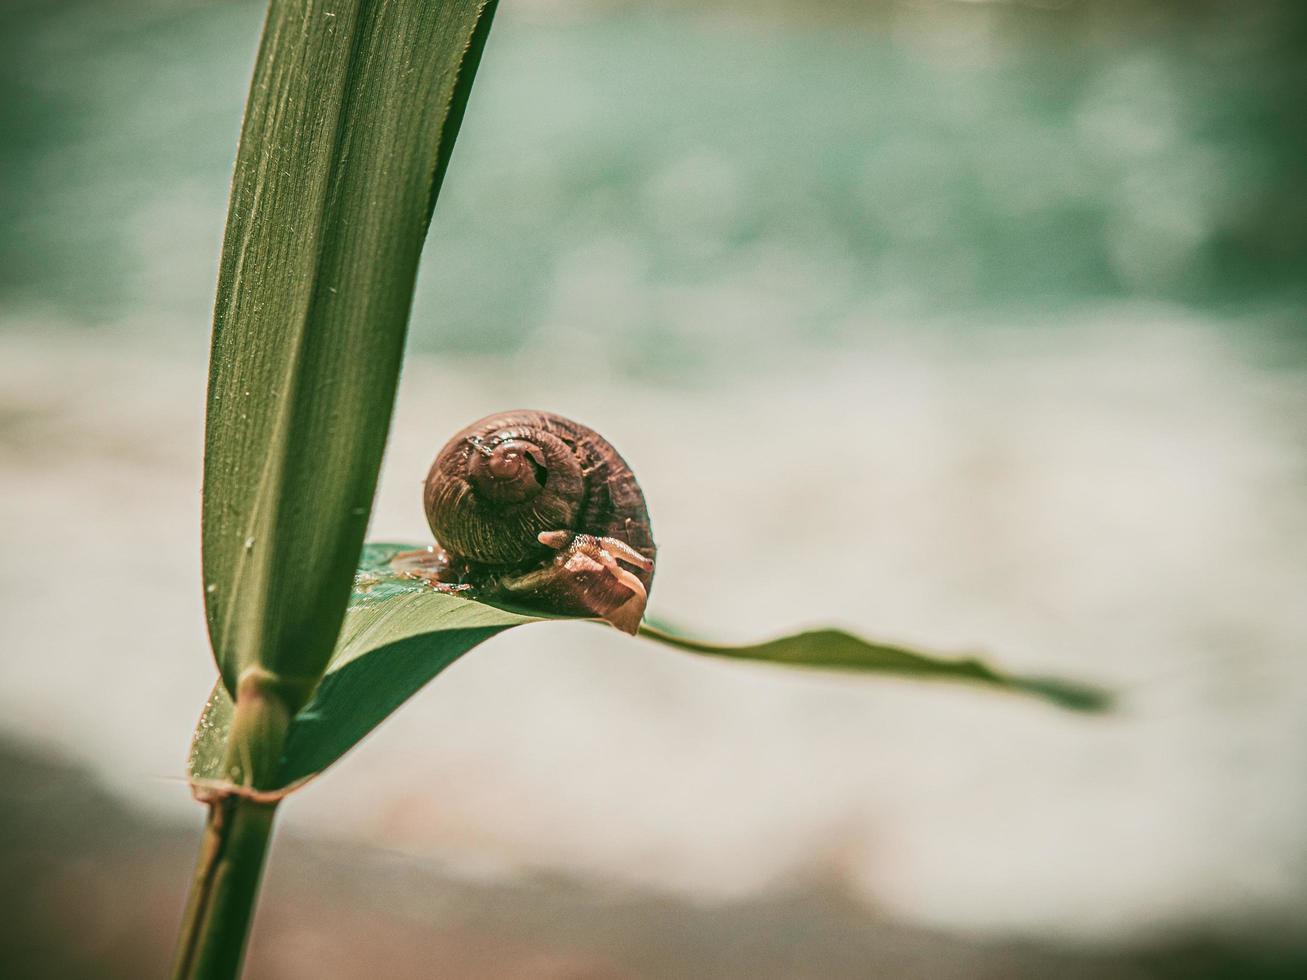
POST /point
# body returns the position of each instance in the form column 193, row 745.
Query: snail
column 536, row 510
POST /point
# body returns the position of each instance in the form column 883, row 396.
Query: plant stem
column 224, row 890
column 236, row 834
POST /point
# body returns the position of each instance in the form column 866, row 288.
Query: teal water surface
column 661, row 187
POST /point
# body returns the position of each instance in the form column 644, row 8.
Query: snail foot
column 431, row 566
column 449, row 588
column 433, row 582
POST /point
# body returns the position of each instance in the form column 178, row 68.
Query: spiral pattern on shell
column 504, row 479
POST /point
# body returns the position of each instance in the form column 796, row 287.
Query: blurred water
column 670, row 192
column 969, row 325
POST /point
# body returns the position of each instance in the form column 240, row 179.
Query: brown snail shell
column 542, row 510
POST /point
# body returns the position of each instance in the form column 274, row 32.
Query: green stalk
column 236, row 834
column 350, row 121
column 225, row 889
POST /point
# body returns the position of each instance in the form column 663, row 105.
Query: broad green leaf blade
column 831, row 649
column 423, row 635
column 351, row 116
column 399, row 634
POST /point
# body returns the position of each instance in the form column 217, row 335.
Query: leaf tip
column 1074, row 696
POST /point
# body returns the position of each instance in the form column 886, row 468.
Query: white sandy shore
column 1123, row 503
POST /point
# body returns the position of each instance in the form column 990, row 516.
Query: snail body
column 543, row 512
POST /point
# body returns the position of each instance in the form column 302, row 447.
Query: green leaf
column 351, row 117
column 831, row 649
column 399, row 634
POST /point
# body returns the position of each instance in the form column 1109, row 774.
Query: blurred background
column 972, row 325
